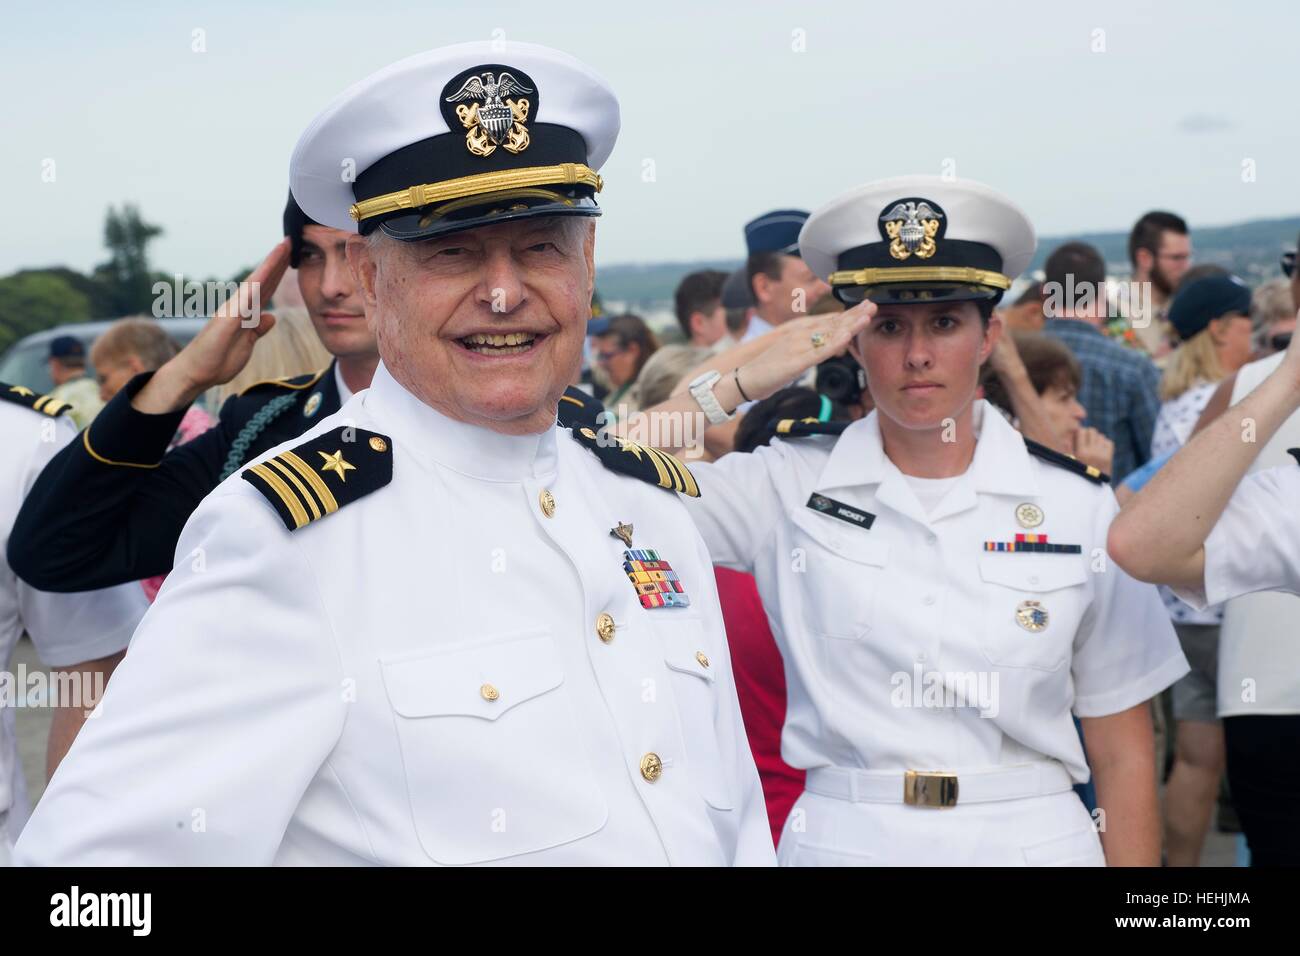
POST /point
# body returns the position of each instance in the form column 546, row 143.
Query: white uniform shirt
column 320, row 696
column 1255, row 545
column 758, row 326
column 67, row 629
column 1259, row 647
column 867, row 618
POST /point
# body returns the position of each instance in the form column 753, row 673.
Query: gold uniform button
column 378, row 444
column 651, row 767
column 489, row 692
column 547, row 501
column 605, row 627
column 702, row 658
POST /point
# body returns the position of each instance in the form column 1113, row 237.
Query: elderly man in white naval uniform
column 506, row 645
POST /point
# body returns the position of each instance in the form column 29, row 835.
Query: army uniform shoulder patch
column 638, row 461
column 1068, row 462
column 22, row 395
column 292, row 383
column 320, row 476
column 797, row 428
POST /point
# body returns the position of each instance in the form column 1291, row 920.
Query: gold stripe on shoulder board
column 684, row 481
column 302, row 489
column 314, row 480
column 283, row 492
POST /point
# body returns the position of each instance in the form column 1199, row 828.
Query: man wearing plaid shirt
column 1120, row 385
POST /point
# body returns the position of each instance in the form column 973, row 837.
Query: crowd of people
column 1108, row 384
column 886, row 578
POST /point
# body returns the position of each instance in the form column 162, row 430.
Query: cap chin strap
column 567, row 174
column 962, row 274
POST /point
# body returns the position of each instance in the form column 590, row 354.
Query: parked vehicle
column 25, row 361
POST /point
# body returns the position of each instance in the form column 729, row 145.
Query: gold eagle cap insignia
column 489, row 114
column 912, row 228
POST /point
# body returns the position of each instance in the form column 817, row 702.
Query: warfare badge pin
column 1032, row 616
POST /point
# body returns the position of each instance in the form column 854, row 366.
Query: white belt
column 933, row 788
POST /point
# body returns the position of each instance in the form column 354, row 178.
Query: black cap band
column 294, row 222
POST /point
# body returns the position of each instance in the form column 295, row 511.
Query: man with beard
column 1160, row 251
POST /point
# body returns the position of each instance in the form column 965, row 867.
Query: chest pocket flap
column 1033, row 572
column 844, row 539
column 684, row 652
column 462, row 681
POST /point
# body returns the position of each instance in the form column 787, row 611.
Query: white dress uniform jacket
column 67, row 629
column 419, row 677
column 902, row 645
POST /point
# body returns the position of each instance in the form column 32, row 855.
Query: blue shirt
column 1120, row 391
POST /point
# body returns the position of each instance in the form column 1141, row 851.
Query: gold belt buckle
column 929, row 789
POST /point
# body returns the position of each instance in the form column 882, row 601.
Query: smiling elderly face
column 486, row 325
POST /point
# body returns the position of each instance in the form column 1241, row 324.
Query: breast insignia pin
column 623, row 532
column 1029, row 515
column 1032, row 616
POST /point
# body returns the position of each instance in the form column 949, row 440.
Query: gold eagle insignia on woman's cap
column 919, row 239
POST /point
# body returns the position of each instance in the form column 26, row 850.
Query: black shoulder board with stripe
column 577, row 408
column 792, row 428
column 1068, row 462
column 638, row 461
column 292, row 383
column 22, row 395
column 322, row 475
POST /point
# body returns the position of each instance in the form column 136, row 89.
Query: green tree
column 101, row 299
column 126, row 274
column 33, row 301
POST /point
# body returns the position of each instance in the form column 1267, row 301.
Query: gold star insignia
column 336, row 464
column 21, row 390
column 634, row 448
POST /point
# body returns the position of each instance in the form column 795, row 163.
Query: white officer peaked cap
column 458, row 137
column 917, row 239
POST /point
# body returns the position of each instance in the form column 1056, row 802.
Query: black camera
column 842, row 380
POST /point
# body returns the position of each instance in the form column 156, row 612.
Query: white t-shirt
column 930, row 491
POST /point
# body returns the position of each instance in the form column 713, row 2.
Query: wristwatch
column 702, row 389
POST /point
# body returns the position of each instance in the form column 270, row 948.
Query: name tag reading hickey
column 838, row 509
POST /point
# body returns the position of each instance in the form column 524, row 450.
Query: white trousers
column 1052, row 830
